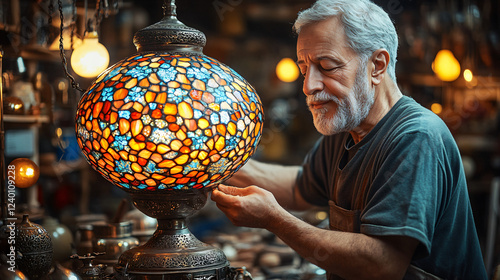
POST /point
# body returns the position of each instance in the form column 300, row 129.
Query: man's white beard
column 350, row 112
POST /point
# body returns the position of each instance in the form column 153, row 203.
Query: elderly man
column 388, row 169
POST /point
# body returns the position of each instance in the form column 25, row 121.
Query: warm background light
column 90, row 58
column 437, row 108
column 26, row 172
column 468, row 75
column 286, row 70
column 446, row 66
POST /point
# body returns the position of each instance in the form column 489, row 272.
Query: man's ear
column 380, row 62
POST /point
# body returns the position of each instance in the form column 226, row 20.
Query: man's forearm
column 349, row 255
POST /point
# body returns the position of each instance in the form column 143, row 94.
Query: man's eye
column 328, row 67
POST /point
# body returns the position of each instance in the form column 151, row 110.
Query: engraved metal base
column 173, row 252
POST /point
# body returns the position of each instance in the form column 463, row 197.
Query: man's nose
column 312, row 82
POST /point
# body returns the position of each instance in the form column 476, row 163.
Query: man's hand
column 249, row 207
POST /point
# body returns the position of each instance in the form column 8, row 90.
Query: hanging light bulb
column 90, row 58
column 446, row 66
column 286, row 70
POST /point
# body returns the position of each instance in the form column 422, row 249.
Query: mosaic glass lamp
column 167, row 125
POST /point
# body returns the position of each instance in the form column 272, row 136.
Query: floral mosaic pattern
column 161, row 122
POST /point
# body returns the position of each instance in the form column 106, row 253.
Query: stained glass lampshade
column 167, row 125
column 158, row 122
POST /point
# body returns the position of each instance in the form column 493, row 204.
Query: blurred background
column 461, row 85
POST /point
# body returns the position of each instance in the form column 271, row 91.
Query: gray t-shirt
column 404, row 178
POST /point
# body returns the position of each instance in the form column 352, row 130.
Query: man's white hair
column 366, row 25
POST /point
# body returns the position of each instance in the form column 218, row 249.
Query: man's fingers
column 222, row 198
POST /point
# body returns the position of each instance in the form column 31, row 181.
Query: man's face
column 336, row 84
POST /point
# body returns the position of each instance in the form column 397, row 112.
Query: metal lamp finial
column 169, row 9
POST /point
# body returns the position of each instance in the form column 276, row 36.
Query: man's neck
column 386, row 95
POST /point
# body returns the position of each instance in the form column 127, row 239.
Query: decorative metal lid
column 170, row 34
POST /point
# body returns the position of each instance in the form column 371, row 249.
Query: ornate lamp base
column 173, row 252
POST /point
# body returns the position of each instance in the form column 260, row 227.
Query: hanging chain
column 73, row 22
column 74, row 84
column 51, row 11
column 98, row 15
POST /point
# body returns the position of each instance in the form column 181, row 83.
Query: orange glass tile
column 151, row 146
column 140, row 138
column 153, row 78
column 182, row 181
column 203, row 123
column 156, row 114
column 123, row 155
column 203, row 155
column 145, row 154
column 161, row 98
column 97, row 109
column 142, row 161
column 132, row 158
column 182, row 159
column 131, row 83
column 180, row 135
column 231, row 128
column 150, row 182
column 185, row 110
column 150, row 96
column 95, row 145
column 168, row 181
column 173, row 127
column 221, row 129
column 124, row 126
column 113, row 153
column 176, row 169
column 181, row 78
column 157, row 176
column 210, row 144
column 185, row 150
column 157, row 158
column 104, row 144
column 136, row 127
column 88, row 125
column 120, row 94
column 140, row 177
column 173, row 84
column 199, row 85
column 166, row 164
column 136, row 145
column 220, row 144
column 194, row 154
column 191, row 124
column 170, row 109
column 175, row 145
column 163, row 149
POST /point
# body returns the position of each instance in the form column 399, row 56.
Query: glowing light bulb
column 436, row 108
column 90, row 58
column 286, row 70
column 468, row 76
column 446, row 66
column 26, row 172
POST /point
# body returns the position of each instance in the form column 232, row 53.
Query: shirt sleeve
column 407, row 190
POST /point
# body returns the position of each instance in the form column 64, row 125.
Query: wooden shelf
column 26, row 119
